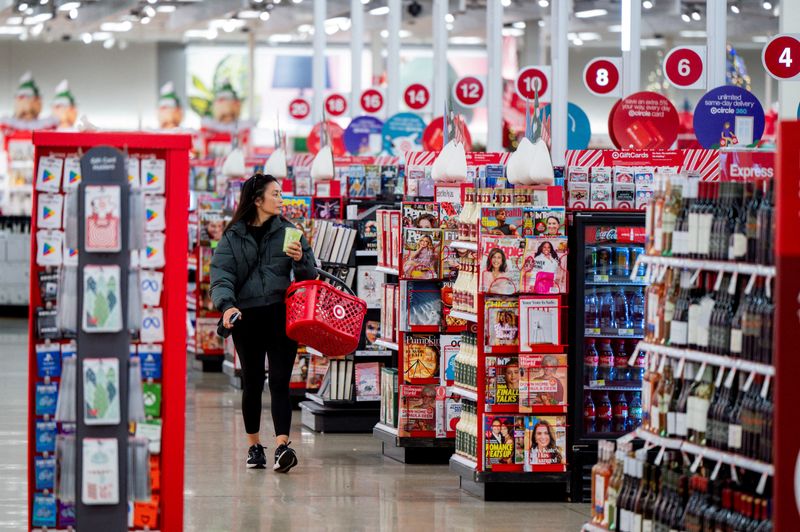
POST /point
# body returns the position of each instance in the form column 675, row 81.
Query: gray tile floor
column 342, row 483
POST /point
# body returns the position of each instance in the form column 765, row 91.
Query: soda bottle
column 636, row 308
column 620, row 412
column 605, row 367
column 621, row 362
column 590, row 362
column 621, row 314
column 635, row 412
column 603, row 413
column 638, row 370
column 592, row 309
column 607, row 315
column 589, row 415
column 622, row 264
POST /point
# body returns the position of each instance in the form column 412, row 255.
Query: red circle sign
column 336, row 105
column 416, row 96
column 529, row 79
column 371, row 101
column 781, row 57
column 468, row 91
column 335, row 137
column 644, row 121
column 601, row 77
column 433, row 136
column 299, row 108
column 683, row 67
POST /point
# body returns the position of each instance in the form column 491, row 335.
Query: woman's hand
column 226, row 317
column 295, row 251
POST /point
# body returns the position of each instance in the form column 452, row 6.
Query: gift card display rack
column 107, row 352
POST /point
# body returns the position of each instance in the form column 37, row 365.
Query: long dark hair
column 252, row 189
column 556, row 455
column 492, row 253
column 540, row 251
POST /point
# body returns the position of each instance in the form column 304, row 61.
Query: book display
column 107, row 365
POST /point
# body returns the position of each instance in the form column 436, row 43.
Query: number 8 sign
column 781, row 57
column 602, row 76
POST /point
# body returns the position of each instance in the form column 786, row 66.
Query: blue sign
column 728, row 116
column 403, row 133
column 579, row 130
column 364, row 136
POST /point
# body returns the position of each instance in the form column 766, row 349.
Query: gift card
column 154, row 208
column 66, row 515
column 152, row 256
column 44, row 510
column 150, row 361
column 151, row 392
column 133, row 173
column 45, row 436
column 102, row 308
column 102, row 212
column 101, row 391
column 100, row 472
column 72, row 173
column 152, row 330
column 48, row 175
column 152, row 431
column 69, row 350
column 49, row 247
column 46, row 398
column 49, row 211
column 135, row 259
column 152, row 175
column 69, row 255
column 45, row 473
column 48, row 360
column 151, row 283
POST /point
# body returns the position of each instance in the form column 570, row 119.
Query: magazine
column 369, row 283
column 544, row 221
column 544, row 266
column 421, row 253
column 450, row 346
column 501, row 221
column 500, row 260
column 417, row 410
column 328, row 209
column 368, row 381
column 368, row 233
column 542, row 381
column 502, row 322
column 424, row 303
column 545, row 441
column 296, row 207
column 420, row 214
column 421, row 356
column 450, row 257
column 502, row 380
column 503, row 442
column 540, row 323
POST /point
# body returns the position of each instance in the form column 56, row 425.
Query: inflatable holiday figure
column 450, row 165
column 63, row 108
column 219, row 129
column 170, row 111
column 27, row 106
column 531, row 163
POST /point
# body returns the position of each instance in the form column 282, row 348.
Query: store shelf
column 386, row 429
column 707, row 265
column 706, row 452
column 468, row 246
column 390, row 271
column 715, row 360
column 466, row 394
column 366, row 253
column 387, row 344
column 588, row 527
column 614, row 336
column 460, row 314
column 613, row 388
column 463, row 464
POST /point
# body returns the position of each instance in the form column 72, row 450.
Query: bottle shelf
column 612, row 388
column 460, row 314
column 468, row 246
column 706, row 265
column 465, row 393
column 615, row 280
column 706, row 452
column 715, row 360
column 387, row 344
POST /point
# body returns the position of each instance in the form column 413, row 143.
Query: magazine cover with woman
column 544, row 221
column 420, row 214
column 422, row 250
column 502, row 322
column 544, row 266
column 545, row 443
column 542, row 382
column 502, row 381
column 500, row 259
column 503, row 442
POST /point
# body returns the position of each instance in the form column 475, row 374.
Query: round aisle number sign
column 417, row 96
column 531, row 79
column 299, row 108
column 684, row 67
column 468, row 91
column 336, row 105
column 601, row 76
column 781, row 57
column 371, row 101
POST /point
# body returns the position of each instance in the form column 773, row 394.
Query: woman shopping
column 250, row 272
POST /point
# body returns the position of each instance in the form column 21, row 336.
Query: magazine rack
column 167, row 513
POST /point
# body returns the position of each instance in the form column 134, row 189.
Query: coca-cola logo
column 607, row 234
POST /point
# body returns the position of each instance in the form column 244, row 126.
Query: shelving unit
column 741, row 268
column 708, row 358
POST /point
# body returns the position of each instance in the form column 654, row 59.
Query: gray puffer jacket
column 237, row 253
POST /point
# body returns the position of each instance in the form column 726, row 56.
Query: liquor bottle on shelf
column 615, row 484
column 737, row 242
column 764, row 222
column 649, row 397
column 697, row 407
column 601, row 476
column 670, row 214
column 648, row 508
column 752, row 222
column 666, row 388
column 641, row 496
column 654, row 220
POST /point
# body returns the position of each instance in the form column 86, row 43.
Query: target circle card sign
column 644, row 121
column 531, row 79
column 685, row 66
column 601, row 76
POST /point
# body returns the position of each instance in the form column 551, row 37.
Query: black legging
column 262, row 331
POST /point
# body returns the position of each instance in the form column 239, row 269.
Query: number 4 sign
column 781, row 57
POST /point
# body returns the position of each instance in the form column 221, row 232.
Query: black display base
column 512, row 486
column 208, row 363
column 338, row 419
column 297, row 396
column 413, row 450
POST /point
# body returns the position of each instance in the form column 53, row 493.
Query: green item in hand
column 292, row 235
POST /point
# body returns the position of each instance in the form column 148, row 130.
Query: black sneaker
column 285, row 459
column 256, row 459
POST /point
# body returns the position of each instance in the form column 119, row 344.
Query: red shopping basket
column 324, row 317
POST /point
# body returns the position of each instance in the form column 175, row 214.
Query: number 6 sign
column 781, row 57
column 685, row 67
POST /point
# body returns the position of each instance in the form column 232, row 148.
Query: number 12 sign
column 468, row 91
column 781, row 57
column 602, row 76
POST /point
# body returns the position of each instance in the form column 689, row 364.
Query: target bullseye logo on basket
column 339, row 312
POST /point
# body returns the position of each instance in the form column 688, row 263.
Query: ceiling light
column 149, row 11
column 505, row 3
column 23, row 36
column 652, row 43
column 331, row 30
column 14, row 21
column 145, row 20
column 297, row 1
column 69, row 6
column 276, row 1
column 512, row 32
column 101, row 35
column 305, row 28
column 109, row 43
column 544, row 3
column 577, row 42
column 693, row 34
column 73, row 14
column 264, row 16
column 404, row 34
column 42, row 2
column 590, row 13
column 37, row 19
column 29, row 12
column 385, row 34
column 449, row 18
column 735, row 9
column 685, row 17
column 365, row 2
column 23, row 6
column 86, row 38
column 540, row 23
column 696, row 15
column 465, row 41
column 647, row 4
column 37, row 30
column 589, row 36
column 766, row 5
column 152, row 1
column 280, row 37
column 449, row 27
column 11, row 30
column 248, row 13
column 519, row 25
column 117, row 26
column 615, row 28
column 165, row 9
column 761, row 39
column 378, row 11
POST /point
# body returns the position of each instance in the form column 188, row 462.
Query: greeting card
column 49, row 211
column 152, row 256
column 48, row 175
column 152, row 330
column 102, row 218
column 72, row 173
column 153, row 175
column 49, row 247
column 100, row 471
column 101, row 391
column 102, row 308
column 155, row 208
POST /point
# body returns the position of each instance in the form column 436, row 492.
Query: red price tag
column 371, row 101
column 417, row 96
column 532, row 78
column 684, row 67
column 336, row 105
column 781, row 57
column 299, row 108
column 601, row 76
column 468, row 91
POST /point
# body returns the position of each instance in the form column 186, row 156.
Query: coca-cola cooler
column 607, row 323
